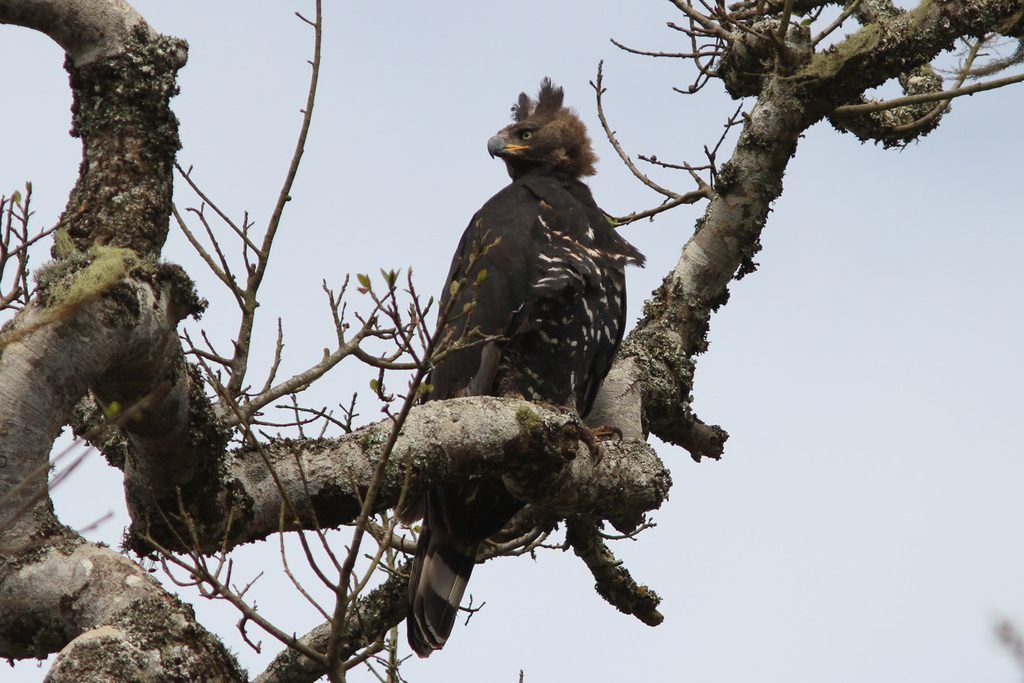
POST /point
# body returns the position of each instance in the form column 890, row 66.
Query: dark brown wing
column 500, row 242
column 541, row 269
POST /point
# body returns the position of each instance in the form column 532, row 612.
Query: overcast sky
column 865, row 522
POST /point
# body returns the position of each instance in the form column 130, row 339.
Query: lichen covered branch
column 442, row 441
column 613, row 581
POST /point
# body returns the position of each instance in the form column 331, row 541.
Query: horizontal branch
column 673, row 55
column 536, row 450
column 882, row 105
column 691, row 197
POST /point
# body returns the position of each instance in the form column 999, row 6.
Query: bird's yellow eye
column 526, row 134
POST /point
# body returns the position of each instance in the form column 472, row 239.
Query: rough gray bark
column 87, row 30
column 108, row 618
column 103, row 320
column 443, row 442
column 102, row 329
column 795, row 87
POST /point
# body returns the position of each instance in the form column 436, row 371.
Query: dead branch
column 613, row 581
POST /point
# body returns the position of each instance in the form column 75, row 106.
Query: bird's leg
column 590, row 436
column 606, row 432
column 593, row 436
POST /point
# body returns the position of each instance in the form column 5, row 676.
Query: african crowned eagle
column 553, row 301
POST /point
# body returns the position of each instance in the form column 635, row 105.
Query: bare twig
column 837, row 22
column 709, row 26
column 15, row 245
column 600, row 90
column 869, row 107
column 691, row 197
column 943, row 107
column 675, row 55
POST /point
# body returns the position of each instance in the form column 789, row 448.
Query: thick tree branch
column 108, row 618
column 894, row 44
column 675, row 323
column 103, row 610
column 442, row 441
column 103, row 320
column 88, row 30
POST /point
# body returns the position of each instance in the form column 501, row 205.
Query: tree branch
column 944, row 96
column 443, row 441
column 381, row 609
column 613, row 581
column 88, row 30
column 108, row 618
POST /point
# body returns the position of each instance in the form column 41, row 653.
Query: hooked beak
column 498, row 146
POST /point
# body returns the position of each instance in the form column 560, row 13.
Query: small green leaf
column 481, row 276
column 112, row 410
column 375, row 386
column 16, row 197
column 390, row 276
column 364, row 280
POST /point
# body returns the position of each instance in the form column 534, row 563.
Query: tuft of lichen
column 106, row 267
column 529, row 420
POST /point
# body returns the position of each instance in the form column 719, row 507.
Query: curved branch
column 88, row 30
column 599, row 89
column 107, row 616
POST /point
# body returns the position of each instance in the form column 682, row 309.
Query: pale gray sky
column 865, row 522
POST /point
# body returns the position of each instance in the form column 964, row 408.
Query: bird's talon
column 607, row 433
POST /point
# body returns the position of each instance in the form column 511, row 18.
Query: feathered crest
column 557, row 136
column 522, row 109
column 549, row 100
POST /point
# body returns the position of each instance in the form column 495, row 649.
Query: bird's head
column 544, row 135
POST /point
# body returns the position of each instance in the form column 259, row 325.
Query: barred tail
column 440, row 572
column 456, row 521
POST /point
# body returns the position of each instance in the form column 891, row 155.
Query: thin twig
column 943, row 107
column 675, row 55
column 843, row 16
column 610, row 134
column 869, row 107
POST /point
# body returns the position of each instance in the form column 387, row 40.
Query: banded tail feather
column 456, row 522
column 440, row 573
